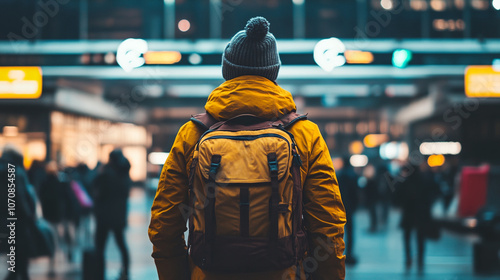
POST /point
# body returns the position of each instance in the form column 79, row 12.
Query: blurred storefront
column 70, row 139
column 76, row 139
column 54, row 121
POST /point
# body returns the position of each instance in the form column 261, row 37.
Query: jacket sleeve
column 168, row 213
column 324, row 214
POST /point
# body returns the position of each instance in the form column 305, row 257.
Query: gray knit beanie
column 252, row 52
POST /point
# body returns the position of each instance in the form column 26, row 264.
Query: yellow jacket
column 324, row 214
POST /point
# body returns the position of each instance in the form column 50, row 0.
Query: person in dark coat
column 58, row 203
column 52, row 195
column 111, row 191
column 81, row 174
column 349, row 190
column 415, row 196
column 37, row 174
column 385, row 193
column 25, row 201
column 372, row 195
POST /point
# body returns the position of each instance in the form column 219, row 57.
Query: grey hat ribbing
column 252, row 51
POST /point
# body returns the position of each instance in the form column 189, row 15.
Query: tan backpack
column 246, row 195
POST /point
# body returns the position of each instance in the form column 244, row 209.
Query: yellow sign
column 20, row 82
column 482, row 81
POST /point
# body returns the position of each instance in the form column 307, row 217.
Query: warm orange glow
column 356, row 147
column 20, row 82
column 358, row 57
column 35, row 150
column 375, row 140
column 10, row 131
column 438, row 5
column 165, row 57
column 435, row 160
column 482, row 81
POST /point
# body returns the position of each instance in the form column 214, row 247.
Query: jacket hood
column 249, row 95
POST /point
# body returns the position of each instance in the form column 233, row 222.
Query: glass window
column 485, row 20
column 124, row 19
column 393, row 19
column 446, row 19
column 331, row 18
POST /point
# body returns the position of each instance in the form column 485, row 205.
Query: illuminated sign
column 328, row 54
column 20, row 82
column 358, row 57
column 440, row 148
column 129, row 54
column 482, row 81
column 162, row 57
column 133, row 53
column 401, row 58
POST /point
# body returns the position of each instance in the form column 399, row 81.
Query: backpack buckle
column 273, row 166
column 214, row 167
column 272, row 161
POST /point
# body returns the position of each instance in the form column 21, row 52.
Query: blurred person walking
column 447, row 181
column 60, row 209
column 12, row 162
column 348, row 183
column 54, row 202
column 37, row 174
column 250, row 67
column 80, row 184
column 385, row 193
column 371, row 190
column 53, row 195
column 111, row 190
column 415, row 196
column 82, row 174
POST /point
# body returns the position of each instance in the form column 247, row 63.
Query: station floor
column 380, row 254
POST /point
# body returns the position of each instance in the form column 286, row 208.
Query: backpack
column 246, row 195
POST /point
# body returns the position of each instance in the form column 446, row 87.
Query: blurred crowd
column 61, row 209
column 76, row 208
column 413, row 189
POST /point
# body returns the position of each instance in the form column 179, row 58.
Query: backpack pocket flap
column 244, row 155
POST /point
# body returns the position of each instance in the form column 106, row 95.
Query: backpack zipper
column 246, row 137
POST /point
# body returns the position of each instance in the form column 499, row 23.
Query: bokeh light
column 184, row 25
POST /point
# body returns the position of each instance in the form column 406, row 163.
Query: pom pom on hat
column 257, row 28
column 252, row 51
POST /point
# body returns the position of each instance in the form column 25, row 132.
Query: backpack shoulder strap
column 205, row 120
column 290, row 119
